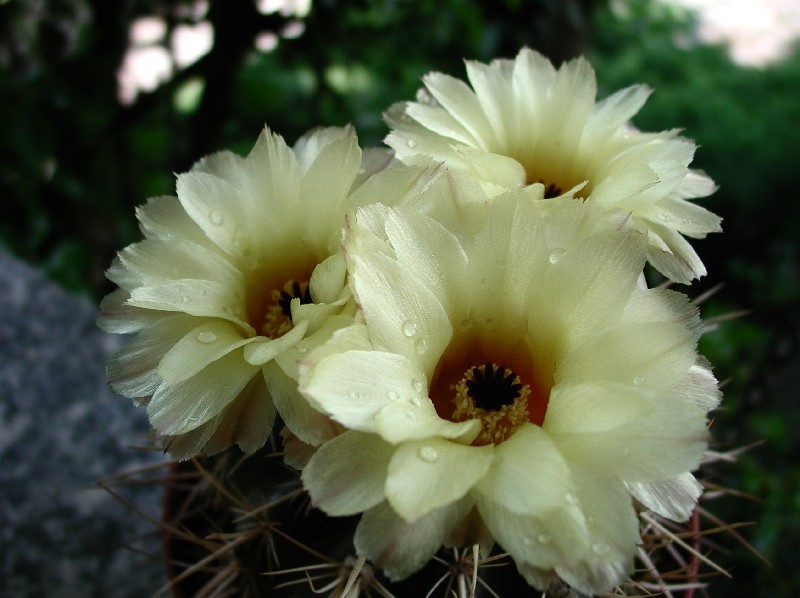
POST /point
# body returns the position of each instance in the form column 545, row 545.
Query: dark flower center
column 491, row 388
column 296, row 291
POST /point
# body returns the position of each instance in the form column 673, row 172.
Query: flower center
column 468, row 383
column 278, row 317
column 494, row 395
column 551, row 190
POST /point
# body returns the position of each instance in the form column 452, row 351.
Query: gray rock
column 61, row 432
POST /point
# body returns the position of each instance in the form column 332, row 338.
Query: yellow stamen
column 496, row 424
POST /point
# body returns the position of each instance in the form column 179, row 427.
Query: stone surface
column 61, row 432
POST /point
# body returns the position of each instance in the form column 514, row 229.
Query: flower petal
column 178, row 408
column 529, row 475
column 675, row 499
column 432, row 473
column 400, row 548
column 198, row 348
column 347, row 474
column 352, row 387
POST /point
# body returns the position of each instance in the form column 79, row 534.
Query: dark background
column 75, row 161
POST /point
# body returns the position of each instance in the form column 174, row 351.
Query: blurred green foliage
column 74, row 162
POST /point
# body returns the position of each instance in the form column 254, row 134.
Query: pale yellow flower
column 524, row 123
column 511, row 377
column 237, row 276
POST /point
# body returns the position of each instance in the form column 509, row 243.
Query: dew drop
column 412, row 143
column 688, row 220
column 393, row 395
column 421, row 346
column 429, row 454
column 411, row 415
column 571, row 498
column 216, row 217
column 416, row 401
column 409, row 328
column 192, row 419
column 556, row 255
column 355, row 395
column 664, row 217
column 543, row 538
column 527, row 541
column 186, row 298
column 302, row 350
column 418, row 385
column 206, row 337
column 638, row 381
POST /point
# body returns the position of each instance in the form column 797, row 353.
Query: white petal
column 458, row 99
column 328, row 279
column 215, row 205
column 529, row 476
column 403, row 315
column 194, row 297
column 155, row 261
column 165, row 218
column 352, row 387
column 613, row 533
column 204, row 344
column 117, row 317
column 263, row 349
column 409, row 417
column 401, row 548
column 432, row 473
column 175, row 409
column 247, row 421
column 651, row 355
column 674, row 499
column 296, row 453
column 645, row 447
column 324, row 191
column 592, row 408
column 300, row 417
column 132, row 371
column 347, row 474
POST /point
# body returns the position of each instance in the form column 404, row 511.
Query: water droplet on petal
column 688, row 220
column 421, row 346
column 527, row 541
column 543, row 538
column 409, row 328
column 664, row 217
column 302, row 350
column 206, row 337
column 571, row 498
column 412, row 143
column 416, row 401
column 556, row 255
column 429, row 454
column 186, row 298
column 393, row 395
column 411, row 415
column 216, row 217
column 418, row 385
column 638, row 380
